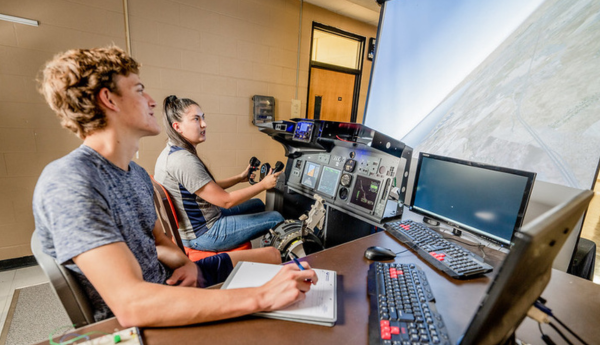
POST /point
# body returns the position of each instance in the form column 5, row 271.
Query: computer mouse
column 379, row 254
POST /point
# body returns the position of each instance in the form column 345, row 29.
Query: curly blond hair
column 72, row 80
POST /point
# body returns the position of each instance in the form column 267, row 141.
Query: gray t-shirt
column 183, row 174
column 82, row 201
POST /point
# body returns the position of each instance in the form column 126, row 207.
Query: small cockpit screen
column 365, row 192
column 329, row 181
column 303, row 131
column 311, row 174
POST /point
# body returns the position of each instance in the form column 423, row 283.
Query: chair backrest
column 166, row 213
column 64, row 284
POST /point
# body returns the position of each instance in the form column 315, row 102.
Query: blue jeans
column 236, row 226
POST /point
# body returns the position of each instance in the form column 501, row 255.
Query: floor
column 16, row 279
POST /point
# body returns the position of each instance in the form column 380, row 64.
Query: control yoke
column 254, row 164
column 264, row 169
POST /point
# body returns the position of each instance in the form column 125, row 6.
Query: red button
column 386, row 335
column 395, row 330
column 384, row 323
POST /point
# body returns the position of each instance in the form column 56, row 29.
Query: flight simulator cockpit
column 359, row 173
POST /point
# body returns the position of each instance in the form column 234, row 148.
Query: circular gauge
column 345, row 180
column 343, row 193
column 382, row 170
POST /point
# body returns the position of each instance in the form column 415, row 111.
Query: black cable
column 570, row 331
column 479, row 246
column 560, row 333
column 540, row 304
column 545, row 337
column 404, row 251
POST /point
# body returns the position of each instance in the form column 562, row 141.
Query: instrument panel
column 357, row 179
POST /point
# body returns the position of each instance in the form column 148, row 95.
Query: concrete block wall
column 218, row 53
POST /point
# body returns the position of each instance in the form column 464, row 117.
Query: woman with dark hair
column 210, row 218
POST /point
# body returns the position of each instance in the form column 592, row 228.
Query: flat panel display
column 303, row 131
column 311, row 174
column 524, row 274
column 329, row 181
column 365, row 192
column 487, row 200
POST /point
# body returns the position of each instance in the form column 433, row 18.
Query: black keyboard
column 448, row 257
column 402, row 307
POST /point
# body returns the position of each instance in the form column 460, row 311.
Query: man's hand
column 186, row 275
column 289, row 286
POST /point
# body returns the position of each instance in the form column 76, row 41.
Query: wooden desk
column 575, row 301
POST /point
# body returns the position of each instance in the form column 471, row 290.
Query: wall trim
column 12, row 264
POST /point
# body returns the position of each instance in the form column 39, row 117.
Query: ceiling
column 366, row 11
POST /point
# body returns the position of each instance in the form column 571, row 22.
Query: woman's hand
column 270, row 180
column 244, row 175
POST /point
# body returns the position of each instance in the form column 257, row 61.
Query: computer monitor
column 524, row 273
column 487, row 200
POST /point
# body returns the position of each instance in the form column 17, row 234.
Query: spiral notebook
column 319, row 307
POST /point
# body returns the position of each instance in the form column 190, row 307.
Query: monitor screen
column 329, row 181
column 303, row 131
column 487, row 200
column 365, row 191
column 311, row 174
column 524, row 273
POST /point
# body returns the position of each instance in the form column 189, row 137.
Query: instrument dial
column 343, row 193
column 345, row 180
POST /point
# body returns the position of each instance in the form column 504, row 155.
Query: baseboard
column 13, row 264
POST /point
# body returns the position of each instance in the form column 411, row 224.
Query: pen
column 295, row 258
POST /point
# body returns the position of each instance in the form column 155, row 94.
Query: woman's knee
column 256, row 205
column 276, row 216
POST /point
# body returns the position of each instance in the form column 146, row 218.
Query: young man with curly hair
column 94, row 210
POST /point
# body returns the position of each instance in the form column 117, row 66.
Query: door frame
column 335, row 68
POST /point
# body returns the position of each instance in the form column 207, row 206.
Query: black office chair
column 584, row 260
column 64, row 285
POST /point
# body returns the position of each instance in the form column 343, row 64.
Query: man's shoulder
column 79, row 164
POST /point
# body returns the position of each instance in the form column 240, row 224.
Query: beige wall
column 219, row 53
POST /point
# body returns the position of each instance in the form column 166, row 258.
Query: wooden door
column 336, row 90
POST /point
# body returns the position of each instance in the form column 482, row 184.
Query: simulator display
column 365, row 192
column 311, row 174
column 329, row 181
column 303, row 131
column 487, row 200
